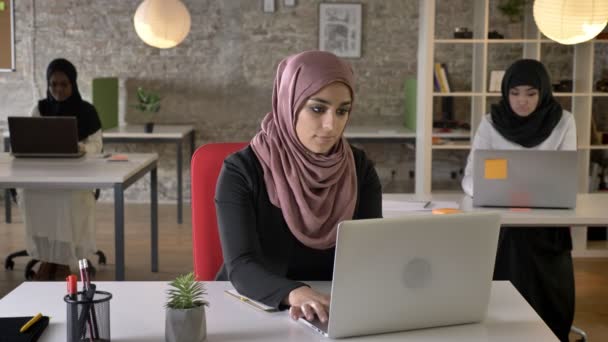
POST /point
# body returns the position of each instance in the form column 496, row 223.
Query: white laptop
column 525, row 178
column 411, row 272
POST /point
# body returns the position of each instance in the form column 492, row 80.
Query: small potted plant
column 148, row 102
column 514, row 10
column 185, row 310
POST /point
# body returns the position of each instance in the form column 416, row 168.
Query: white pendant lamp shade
column 571, row 21
column 162, row 23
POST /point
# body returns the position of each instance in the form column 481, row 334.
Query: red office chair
column 204, row 169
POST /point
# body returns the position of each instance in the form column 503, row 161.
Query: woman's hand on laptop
column 306, row 302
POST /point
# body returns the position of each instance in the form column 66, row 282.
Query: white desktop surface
column 88, row 172
column 137, row 314
column 159, row 132
column 398, row 132
column 591, row 210
column 378, row 132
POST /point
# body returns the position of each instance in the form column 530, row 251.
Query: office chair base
column 580, row 332
column 101, row 258
column 29, row 273
column 9, row 264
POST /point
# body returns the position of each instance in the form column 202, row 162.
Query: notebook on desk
column 410, row 272
column 525, row 178
column 44, row 137
column 9, row 329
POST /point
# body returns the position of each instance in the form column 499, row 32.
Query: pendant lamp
column 162, row 23
column 570, row 21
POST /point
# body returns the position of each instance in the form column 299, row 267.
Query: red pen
column 72, row 286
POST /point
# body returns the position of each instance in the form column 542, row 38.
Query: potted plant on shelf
column 185, row 310
column 514, row 10
column 147, row 102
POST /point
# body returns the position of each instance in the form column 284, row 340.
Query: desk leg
column 154, row 219
column 119, row 231
column 7, row 192
column 7, row 206
column 179, row 182
column 192, row 144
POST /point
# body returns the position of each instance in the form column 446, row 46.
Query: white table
column 161, row 134
column 400, row 134
column 137, row 314
column 591, row 210
column 89, row 172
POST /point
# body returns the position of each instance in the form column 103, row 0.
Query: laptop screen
column 43, row 135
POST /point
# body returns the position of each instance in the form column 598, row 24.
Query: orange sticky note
column 446, row 211
column 495, row 169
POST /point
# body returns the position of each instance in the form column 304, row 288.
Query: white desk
column 137, row 314
column 397, row 134
column 591, row 210
column 89, row 172
column 161, row 134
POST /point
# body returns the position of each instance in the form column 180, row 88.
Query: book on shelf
column 496, row 80
column 440, row 78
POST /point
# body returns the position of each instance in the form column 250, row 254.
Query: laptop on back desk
column 525, row 178
column 44, row 137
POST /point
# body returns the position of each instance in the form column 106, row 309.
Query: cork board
column 7, row 36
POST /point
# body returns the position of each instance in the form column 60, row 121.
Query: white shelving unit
column 579, row 102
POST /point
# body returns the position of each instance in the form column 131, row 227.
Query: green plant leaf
column 147, row 101
column 186, row 293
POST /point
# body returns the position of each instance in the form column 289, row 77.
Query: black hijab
column 85, row 113
column 533, row 129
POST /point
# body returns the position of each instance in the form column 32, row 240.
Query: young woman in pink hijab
column 280, row 199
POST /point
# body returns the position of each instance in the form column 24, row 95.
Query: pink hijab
column 314, row 191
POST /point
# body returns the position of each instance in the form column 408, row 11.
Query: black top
column 261, row 255
column 86, row 116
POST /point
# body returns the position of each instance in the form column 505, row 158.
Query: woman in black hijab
column 60, row 224
column 63, row 98
column 537, row 261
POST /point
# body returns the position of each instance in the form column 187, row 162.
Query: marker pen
column 72, row 286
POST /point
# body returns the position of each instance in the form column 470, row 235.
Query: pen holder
column 88, row 316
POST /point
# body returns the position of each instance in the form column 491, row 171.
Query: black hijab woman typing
column 536, row 260
column 60, row 224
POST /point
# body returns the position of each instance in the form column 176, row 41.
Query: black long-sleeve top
column 261, row 255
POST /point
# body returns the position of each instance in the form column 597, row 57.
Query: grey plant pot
column 185, row 325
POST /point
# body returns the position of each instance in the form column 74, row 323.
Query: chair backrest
column 105, row 100
column 205, row 168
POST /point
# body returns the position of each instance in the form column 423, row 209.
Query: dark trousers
column 538, row 262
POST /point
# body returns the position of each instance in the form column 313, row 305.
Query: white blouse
column 487, row 137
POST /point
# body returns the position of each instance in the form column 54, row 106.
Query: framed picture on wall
column 7, row 36
column 340, row 29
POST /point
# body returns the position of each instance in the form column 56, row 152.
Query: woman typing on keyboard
column 280, row 199
column 536, row 260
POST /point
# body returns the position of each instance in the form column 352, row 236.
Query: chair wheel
column 9, row 264
column 102, row 258
column 92, row 269
column 29, row 273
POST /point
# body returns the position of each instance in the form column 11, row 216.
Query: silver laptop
column 44, row 137
column 412, row 272
column 525, row 178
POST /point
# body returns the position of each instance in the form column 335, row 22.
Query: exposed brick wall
column 220, row 78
